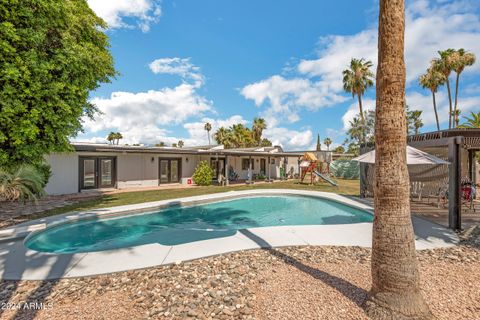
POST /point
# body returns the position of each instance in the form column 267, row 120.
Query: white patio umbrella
column 414, row 156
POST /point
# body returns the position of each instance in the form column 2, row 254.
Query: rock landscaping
column 285, row 283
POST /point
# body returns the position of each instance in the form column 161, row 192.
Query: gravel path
column 287, row 283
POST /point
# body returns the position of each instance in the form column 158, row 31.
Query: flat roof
column 96, row 147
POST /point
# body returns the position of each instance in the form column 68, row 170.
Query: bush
column 203, row 174
column 45, row 171
column 23, row 183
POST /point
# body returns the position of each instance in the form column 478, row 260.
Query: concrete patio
column 18, row 262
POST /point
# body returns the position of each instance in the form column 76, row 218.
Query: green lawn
column 346, row 187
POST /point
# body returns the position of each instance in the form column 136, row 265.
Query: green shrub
column 46, row 171
column 23, row 183
column 203, row 174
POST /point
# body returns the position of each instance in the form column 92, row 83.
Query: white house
column 104, row 166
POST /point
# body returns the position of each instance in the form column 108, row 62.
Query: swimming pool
column 183, row 224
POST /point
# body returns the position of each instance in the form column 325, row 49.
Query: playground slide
column 333, row 183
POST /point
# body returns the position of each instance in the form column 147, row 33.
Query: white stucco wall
column 138, row 169
column 64, row 179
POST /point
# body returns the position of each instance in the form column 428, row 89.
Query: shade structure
column 414, row 156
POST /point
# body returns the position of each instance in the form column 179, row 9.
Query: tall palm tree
column 221, row 135
column 207, row 128
column 319, row 145
column 461, row 59
column 395, row 292
column 445, row 64
column 111, row 137
column 259, row 124
column 327, row 142
column 472, row 122
column 357, row 79
column 432, row 79
column 118, row 137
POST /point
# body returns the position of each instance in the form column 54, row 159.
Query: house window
column 245, row 164
column 272, row 160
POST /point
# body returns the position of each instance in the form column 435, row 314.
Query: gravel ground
column 287, row 283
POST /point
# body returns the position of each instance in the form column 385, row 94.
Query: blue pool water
column 178, row 224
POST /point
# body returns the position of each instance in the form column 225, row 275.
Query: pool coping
column 19, row 262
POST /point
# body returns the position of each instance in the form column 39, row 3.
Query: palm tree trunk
column 456, row 98
column 208, row 135
column 450, row 105
column 395, row 292
column 435, row 109
column 362, row 117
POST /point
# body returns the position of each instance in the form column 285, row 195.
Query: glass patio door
column 164, row 171
column 169, row 170
column 96, row 172
column 89, row 173
column 106, row 173
column 174, row 171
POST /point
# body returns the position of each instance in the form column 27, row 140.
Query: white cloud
column 177, row 66
column 142, row 117
column 368, row 104
column 197, row 133
column 428, row 29
column 114, row 12
column 318, row 83
column 423, row 102
column 289, row 139
column 287, row 96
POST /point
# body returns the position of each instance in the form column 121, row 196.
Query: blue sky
column 183, row 63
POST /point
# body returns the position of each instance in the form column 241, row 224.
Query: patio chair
column 468, row 195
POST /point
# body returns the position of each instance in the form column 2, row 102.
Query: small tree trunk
column 395, row 292
column 435, row 109
column 456, row 98
column 450, row 105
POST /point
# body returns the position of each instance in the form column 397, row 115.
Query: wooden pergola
column 456, row 141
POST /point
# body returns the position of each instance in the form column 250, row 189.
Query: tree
column 52, row 54
column 472, row 122
column 432, row 79
column 207, row 128
column 259, row 125
column 265, row 143
column 327, row 142
column 160, row 144
column 319, row 145
column 221, row 136
column 111, row 137
column 445, row 65
column 395, row 292
column 456, row 117
column 118, row 136
column 362, row 132
column 357, row 79
column 180, row 143
column 461, row 59
column 339, row 149
column 414, row 121
column 353, row 148
column 174, row 145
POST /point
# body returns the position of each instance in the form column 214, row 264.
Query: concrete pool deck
column 18, row 262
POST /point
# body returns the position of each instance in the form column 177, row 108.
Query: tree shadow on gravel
column 347, row 289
